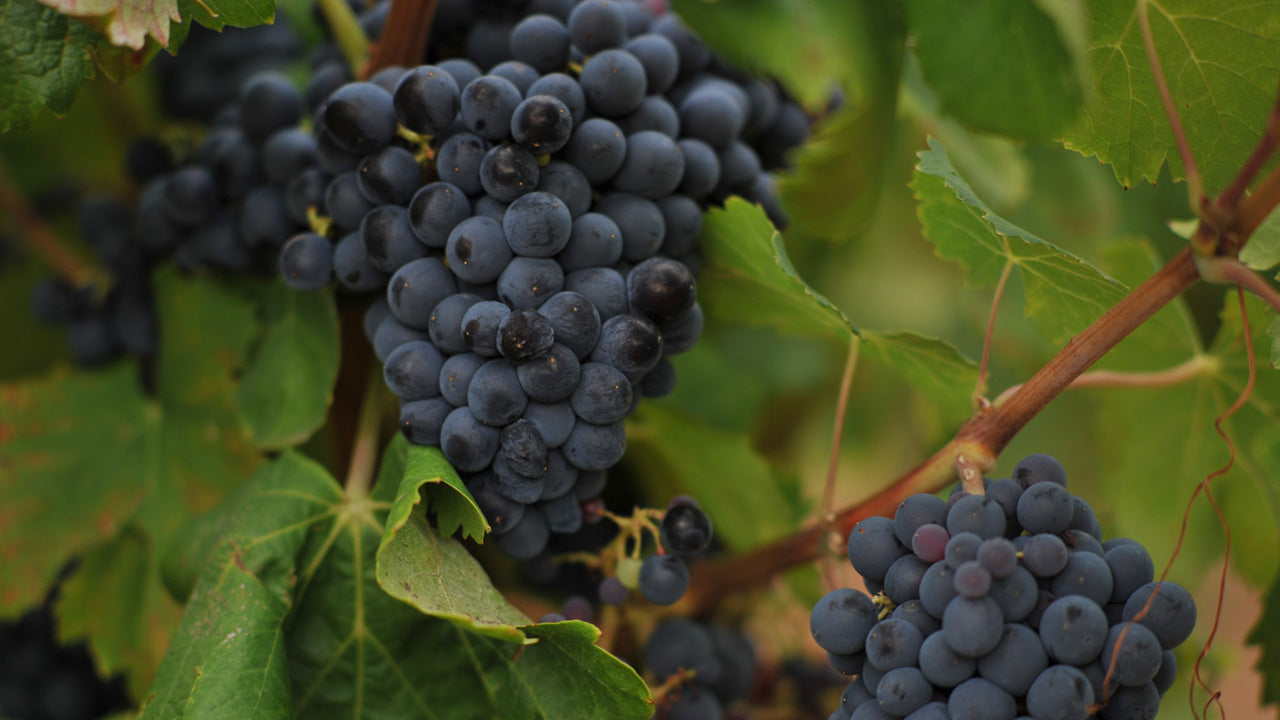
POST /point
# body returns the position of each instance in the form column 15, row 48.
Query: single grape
column 542, row 123
column 979, row 699
column 551, row 377
column 664, row 291
column 1016, row 661
column 685, row 530
column 487, row 104
column 360, row 117
column 873, row 547
column 663, row 579
column 524, row 335
column 537, row 225
column 943, row 666
column 426, row 100
column 596, row 25
column 542, row 41
column 929, row 542
column 612, row 591
column 1073, row 630
column 1061, row 692
column 972, row 626
column 412, row 371
column 998, row 556
column 903, row 690
column 972, row 579
column 893, row 644
column 1085, row 574
column 1171, row 615
column 841, row 620
column 1038, row 468
column 306, row 262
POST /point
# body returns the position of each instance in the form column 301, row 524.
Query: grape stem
column 1228, row 270
column 347, row 31
column 364, row 450
column 980, row 388
column 45, row 243
column 1193, row 367
column 827, row 509
column 404, row 39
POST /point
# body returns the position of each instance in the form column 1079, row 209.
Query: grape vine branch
column 1223, row 229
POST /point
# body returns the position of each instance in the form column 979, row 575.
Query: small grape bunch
column 702, row 668
column 1001, row 606
column 683, row 531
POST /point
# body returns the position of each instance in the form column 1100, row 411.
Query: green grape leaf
column 565, row 657
column 227, row 658
column 115, row 597
column 286, row 618
column 1266, row 636
column 75, row 462
column 217, row 14
column 996, row 167
column 203, row 449
column 1142, row 464
column 288, row 383
column 935, row 368
column 41, row 344
column 44, row 58
column 84, row 455
column 1263, row 250
column 732, row 480
column 809, row 46
column 128, row 23
column 423, row 471
column 1063, row 292
column 439, row 577
column 828, row 196
column 806, row 44
column 747, row 277
column 1221, row 64
column 714, row 389
column 1003, row 66
column 125, row 22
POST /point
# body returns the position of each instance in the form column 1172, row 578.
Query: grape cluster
column 1002, row 605
column 199, row 84
column 715, row 666
column 101, row 325
column 41, row 680
column 522, row 213
column 662, row 579
column 533, row 230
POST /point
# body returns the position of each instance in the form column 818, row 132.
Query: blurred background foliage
column 756, row 405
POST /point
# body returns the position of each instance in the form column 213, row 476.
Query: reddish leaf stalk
column 1226, row 204
column 980, row 390
column 1193, row 367
column 404, row 40
column 364, row 449
column 1195, row 187
column 44, row 243
column 1255, row 208
column 826, row 510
